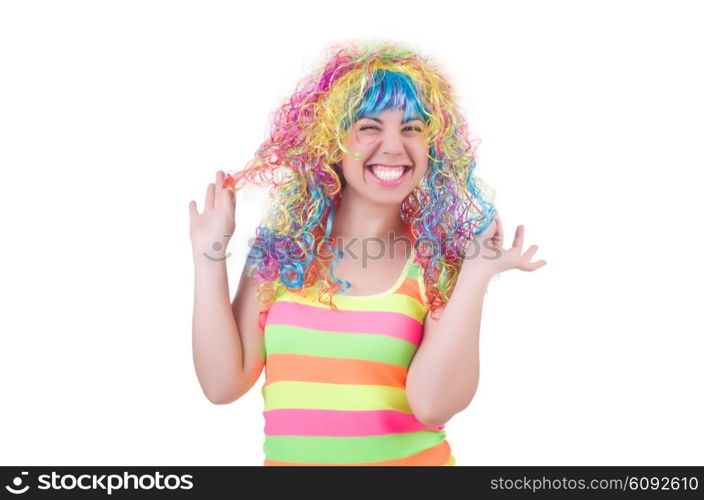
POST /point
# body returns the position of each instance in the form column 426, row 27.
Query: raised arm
column 228, row 347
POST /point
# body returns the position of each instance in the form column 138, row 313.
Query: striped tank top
column 335, row 381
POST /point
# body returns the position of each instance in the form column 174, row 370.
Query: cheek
column 350, row 170
column 350, row 164
column 419, row 175
column 422, row 161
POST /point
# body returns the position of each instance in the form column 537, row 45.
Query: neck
column 359, row 217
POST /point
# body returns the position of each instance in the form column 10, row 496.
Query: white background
column 114, row 115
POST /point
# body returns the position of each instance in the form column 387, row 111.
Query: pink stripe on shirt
column 313, row 422
column 394, row 324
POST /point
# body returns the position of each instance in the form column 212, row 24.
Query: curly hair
column 301, row 162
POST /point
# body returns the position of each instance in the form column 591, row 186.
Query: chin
column 389, row 200
column 381, row 198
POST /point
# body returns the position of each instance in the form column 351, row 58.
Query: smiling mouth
column 388, row 176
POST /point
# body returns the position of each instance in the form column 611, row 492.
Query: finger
column 229, row 180
column 486, row 232
column 192, row 209
column 209, row 196
column 535, row 265
column 518, row 240
column 230, row 195
column 228, row 190
column 218, row 188
column 499, row 236
column 530, row 252
column 490, row 231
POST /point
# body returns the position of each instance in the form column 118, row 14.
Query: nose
column 391, row 144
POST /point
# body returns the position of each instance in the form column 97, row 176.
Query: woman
column 366, row 358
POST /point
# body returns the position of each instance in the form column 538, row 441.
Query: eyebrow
column 380, row 121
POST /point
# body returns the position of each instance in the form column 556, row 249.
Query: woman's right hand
column 211, row 230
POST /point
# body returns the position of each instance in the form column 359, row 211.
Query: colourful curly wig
column 301, row 162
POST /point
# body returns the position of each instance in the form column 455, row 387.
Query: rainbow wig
column 301, row 161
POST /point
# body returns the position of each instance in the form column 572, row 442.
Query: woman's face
column 384, row 140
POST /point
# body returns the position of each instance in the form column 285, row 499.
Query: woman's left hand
column 486, row 251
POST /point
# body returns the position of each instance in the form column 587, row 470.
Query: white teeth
column 387, row 173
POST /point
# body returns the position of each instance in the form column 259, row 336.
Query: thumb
column 488, row 232
column 498, row 238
